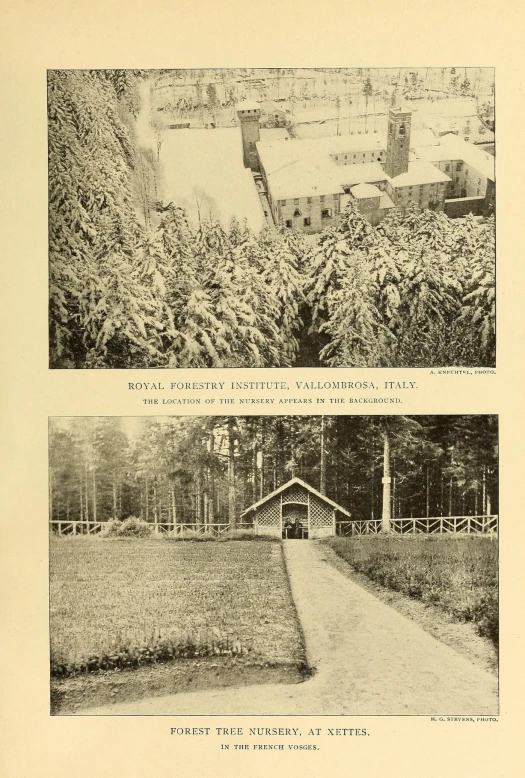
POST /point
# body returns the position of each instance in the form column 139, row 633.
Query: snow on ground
column 203, row 172
column 449, row 115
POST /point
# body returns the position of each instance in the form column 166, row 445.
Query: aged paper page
column 40, row 37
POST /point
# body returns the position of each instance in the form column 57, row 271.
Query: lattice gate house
column 295, row 510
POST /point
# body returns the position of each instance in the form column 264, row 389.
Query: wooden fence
column 64, row 527
column 440, row 525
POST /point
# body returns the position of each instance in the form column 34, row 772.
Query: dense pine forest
column 208, row 469
column 133, row 285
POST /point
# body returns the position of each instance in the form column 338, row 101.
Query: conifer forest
column 134, row 285
column 208, row 469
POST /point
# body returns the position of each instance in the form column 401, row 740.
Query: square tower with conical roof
column 249, row 113
column 398, row 142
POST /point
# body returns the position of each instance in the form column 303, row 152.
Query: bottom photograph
column 274, row 565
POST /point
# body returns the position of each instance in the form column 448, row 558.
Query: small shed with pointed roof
column 295, row 504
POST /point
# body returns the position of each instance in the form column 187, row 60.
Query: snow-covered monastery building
column 308, row 182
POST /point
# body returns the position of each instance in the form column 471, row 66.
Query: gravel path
column 369, row 660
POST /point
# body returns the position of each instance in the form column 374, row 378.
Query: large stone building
column 308, row 182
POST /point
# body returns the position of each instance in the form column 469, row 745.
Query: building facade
column 309, row 181
column 295, row 504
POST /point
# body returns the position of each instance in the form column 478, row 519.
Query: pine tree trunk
column 292, row 447
column 94, row 480
column 394, row 491
column 115, row 498
column 428, row 492
column 206, row 508
column 262, row 474
column 336, row 485
column 211, row 478
column 232, row 514
column 173, row 506
column 254, row 470
column 280, row 448
column 322, row 479
column 372, row 492
column 86, row 495
column 387, row 480
column 198, row 498
column 155, row 514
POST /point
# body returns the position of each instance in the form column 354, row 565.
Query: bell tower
column 249, row 113
column 398, row 140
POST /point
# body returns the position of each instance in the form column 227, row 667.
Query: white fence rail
column 436, row 525
column 65, row 527
column 451, row 525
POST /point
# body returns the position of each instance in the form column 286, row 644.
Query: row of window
column 459, row 167
column 362, row 154
column 418, row 191
column 309, row 200
column 326, row 213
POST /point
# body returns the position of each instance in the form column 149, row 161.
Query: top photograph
column 277, row 217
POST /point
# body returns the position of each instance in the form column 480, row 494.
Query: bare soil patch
column 74, row 695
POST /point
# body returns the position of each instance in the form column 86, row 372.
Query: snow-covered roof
column 419, row 172
column 456, row 149
column 343, row 144
column 248, row 105
column 274, row 134
column 329, row 146
column 275, row 155
column 386, row 201
column 368, row 173
column 306, row 168
column 304, row 178
column 434, row 153
column 269, row 106
column 424, row 137
column 287, row 485
column 365, row 191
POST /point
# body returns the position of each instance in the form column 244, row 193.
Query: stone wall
column 424, row 195
column 464, row 205
column 294, row 212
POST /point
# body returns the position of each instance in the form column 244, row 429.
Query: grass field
column 457, row 574
column 125, row 603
